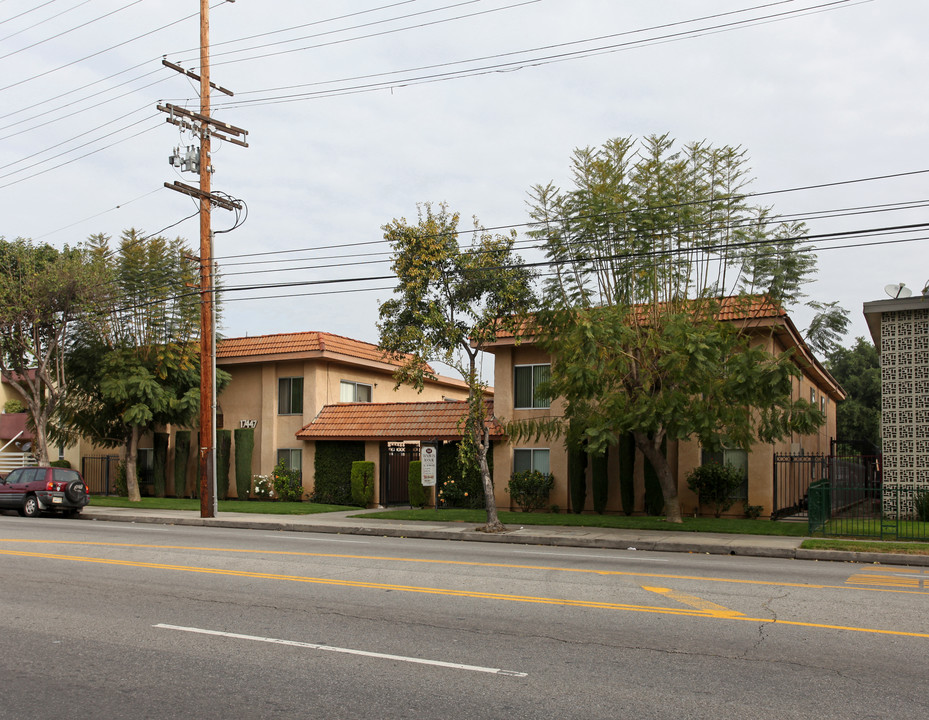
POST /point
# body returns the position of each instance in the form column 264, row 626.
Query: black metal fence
column 863, row 510
column 795, row 474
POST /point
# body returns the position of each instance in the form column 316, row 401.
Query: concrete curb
column 563, row 537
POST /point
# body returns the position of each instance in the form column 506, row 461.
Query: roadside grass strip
column 449, row 592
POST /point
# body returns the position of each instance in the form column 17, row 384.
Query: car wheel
column 75, row 491
column 30, row 507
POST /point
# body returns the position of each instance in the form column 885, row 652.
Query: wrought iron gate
column 395, row 468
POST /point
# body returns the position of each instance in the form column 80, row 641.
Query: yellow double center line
column 700, row 608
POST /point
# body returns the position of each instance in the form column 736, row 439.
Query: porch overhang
column 394, row 422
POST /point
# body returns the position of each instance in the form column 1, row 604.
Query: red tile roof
column 299, row 343
column 393, row 421
column 754, row 307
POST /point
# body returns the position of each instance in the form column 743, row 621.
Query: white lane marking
column 597, row 557
column 347, row 651
column 317, row 539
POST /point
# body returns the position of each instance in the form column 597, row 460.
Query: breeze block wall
column 904, row 346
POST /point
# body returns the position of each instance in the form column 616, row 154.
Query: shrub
column 362, row 480
column 753, row 512
column 223, row 453
column 922, row 506
column 60, row 463
column 627, row 472
column 244, row 448
column 181, row 455
column 122, row 487
column 599, row 481
column 332, row 471
column 455, row 486
column 287, row 484
column 654, row 495
column 159, row 462
column 715, row 484
column 419, row 495
column 263, row 487
column 577, row 478
column 13, row 406
column 530, row 489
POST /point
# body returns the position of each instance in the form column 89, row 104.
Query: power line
column 515, row 64
column 68, row 162
column 101, row 52
column 104, row 212
column 513, row 226
column 42, row 22
column 26, row 12
column 70, row 30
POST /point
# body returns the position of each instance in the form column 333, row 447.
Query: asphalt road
column 119, row 620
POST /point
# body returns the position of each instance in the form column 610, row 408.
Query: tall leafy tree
column 858, row 417
column 43, row 291
column 449, row 303
column 647, row 249
column 136, row 361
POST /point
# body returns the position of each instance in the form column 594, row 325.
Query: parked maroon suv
column 32, row 490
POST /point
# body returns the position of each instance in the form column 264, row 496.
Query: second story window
column 354, row 392
column 528, row 378
column 290, row 396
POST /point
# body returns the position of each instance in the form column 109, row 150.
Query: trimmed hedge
column 362, row 479
column 419, row 495
column 627, row 472
column 600, row 480
column 332, row 470
column 244, row 449
column 654, row 496
column 159, row 462
column 223, row 452
column 181, row 456
column 60, row 463
column 577, row 478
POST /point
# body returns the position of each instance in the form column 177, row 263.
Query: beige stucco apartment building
column 517, row 364
column 281, row 382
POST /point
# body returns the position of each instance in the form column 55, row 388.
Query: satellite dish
column 898, row 291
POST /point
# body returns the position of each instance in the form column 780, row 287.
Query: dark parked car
column 33, row 490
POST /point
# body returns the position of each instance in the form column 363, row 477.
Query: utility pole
column 205, row 127
column 207, row 331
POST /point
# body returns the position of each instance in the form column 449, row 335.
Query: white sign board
column 429, row 455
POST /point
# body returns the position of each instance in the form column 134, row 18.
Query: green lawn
column 908, row 548
column 871, row 528
column 239, row 506
column 721, row 525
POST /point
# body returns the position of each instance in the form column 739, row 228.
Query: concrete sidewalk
column 587, row 537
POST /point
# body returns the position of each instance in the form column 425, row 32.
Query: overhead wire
column 70, row 30
column 42, row 22
column 504, row 66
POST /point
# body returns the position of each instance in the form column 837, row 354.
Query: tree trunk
column 40, row 442
column 490, row 502
column 132, row 457
column 651, row 449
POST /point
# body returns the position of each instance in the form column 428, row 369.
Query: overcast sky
column 377, row 117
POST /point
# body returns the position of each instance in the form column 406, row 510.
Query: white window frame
column 537, row 401
column 344, row 384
